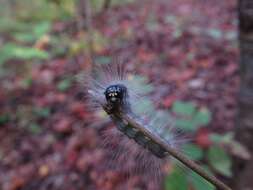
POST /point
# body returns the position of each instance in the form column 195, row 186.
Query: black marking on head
column 115, row 93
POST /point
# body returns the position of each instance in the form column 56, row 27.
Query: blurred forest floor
column 187, row 48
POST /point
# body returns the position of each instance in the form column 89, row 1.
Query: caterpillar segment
column 139, row 138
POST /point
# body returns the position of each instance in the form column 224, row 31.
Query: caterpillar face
column 115, row 94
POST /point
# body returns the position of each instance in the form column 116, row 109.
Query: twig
column 90, row 31
column 85, row 22
column 173, row 152
column 106, row 5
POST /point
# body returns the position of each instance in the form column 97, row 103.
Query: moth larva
column 112, row 91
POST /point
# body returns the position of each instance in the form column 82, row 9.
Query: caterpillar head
column 115, row 94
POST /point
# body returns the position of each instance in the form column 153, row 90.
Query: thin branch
column 90, row 28
column 106, row 5
column 173, row 152
column 85, row 16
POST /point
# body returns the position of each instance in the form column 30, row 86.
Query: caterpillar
column 109, row 88
column 117, row 99
column 119, row 91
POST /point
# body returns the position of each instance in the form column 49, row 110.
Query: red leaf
column 71, row 157
column 78, row 110
column 202, row 138
column 17, row 183
column 168, row 101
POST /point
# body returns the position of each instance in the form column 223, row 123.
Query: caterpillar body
column 111, row 88
column 140, row 138
column 117, row 99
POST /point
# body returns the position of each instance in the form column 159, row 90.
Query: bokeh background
column 50, row 139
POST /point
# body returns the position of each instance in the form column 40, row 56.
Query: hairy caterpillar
column 110, row 85
column 114, row 90
column 111, row 90
column 117, row 98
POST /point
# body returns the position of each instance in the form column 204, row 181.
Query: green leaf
column 224, row 138
column 64, row 84
column 216, row 138
column 4, row 119
column 202, row 117
column 11, row 25
column 219, row 160
column 184, row 108
column 235, row 147
column 24, row 37
column 27, row 82
column 199, row 183
column 239, row 150
column 177, row 180
column 14, row 51
column 42, row 112
column 34, row 128
column 41, row 29
column 193, row 151
column 26, row 32
column 28, row 53
column 186, row 125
